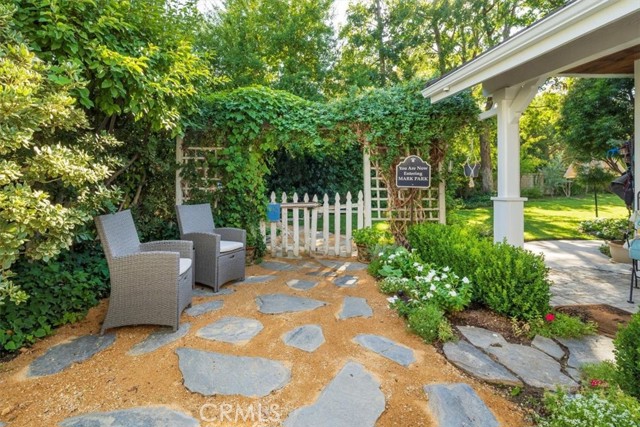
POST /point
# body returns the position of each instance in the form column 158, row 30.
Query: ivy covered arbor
column 236, row 133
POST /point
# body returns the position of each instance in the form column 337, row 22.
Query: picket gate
column 304, row 225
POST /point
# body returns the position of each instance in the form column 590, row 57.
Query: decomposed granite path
column 276, row 349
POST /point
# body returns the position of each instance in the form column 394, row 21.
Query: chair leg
column 634, row 279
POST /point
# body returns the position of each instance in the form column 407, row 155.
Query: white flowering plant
column 396, row 261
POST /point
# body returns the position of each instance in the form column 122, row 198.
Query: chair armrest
column 232, row 234
column 156, row 269
column 205, row 243
column 184, row 247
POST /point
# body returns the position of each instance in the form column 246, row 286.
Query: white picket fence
column 304, row 226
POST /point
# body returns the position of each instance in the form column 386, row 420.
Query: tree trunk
column 485, row 157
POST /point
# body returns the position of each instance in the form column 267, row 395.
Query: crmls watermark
column 257, row 414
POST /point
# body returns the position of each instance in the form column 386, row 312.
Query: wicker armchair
column 220, row 252
column 151, row 283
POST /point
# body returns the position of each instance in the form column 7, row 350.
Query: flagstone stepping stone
column 590, row 349
column 302, row 285
column 352, row 399
column 549, row 346
column 355, row 307
column 573, row 373
column 208, row 292
column 278, row 266
column 62, row 356
column 322, row 273
column 386, row 348
column 282, row 303
column 475, row 362
column 342, row 265
column 345, row 281
column 158, row 339
column 255, row 279
column 309, row 264
column 534, row 367
column 233, row 330
column 211, row 373
column 307, row 338
column 2, row 424
column 207, row 307
column 134, row 417
column 458, row 405
column 481, row 337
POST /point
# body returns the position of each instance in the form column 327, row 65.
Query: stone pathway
column 353, row 397
column 488, row 356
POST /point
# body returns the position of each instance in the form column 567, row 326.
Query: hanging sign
column 413, row 172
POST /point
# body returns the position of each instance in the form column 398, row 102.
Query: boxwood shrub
column 627, row 351
column 510, row 280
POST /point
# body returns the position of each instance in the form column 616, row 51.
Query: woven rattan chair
column 151, row 283
column 220, row 252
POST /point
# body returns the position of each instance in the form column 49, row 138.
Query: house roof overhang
column 586, row 38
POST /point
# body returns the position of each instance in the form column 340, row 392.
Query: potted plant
column 256, row 247
column 613, row 231
column 367, row 238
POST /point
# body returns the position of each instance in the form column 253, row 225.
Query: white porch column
column 636, row 133
column 508, row 207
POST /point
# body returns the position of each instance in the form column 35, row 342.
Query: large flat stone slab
column 534, row 367
column 549, row 346
column 352, row 399
column 458, row 405
column 255, row 279
column 233, row 330
column 282, row 303
column 207, row 307
column 159, row 339
column 302, row 285
column 481, row 337
column 322, row 273
column 279, row 266
column 345, row 281
column 475, row 362
column 134, row 417
column 343, row 265
column 386, row 348
column 355, row 307
column 590, row 349
column 64, row 355
column 210, row 373
column 306, row 337
column 208, row 292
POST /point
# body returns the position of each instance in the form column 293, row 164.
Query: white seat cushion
column 228, row 246
column 185, row 264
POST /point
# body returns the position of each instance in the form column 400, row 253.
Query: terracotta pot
column 619, row 253
column 363, row 253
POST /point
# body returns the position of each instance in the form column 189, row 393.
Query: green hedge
column 627, row 351
column 60, row 291
column 509, row 280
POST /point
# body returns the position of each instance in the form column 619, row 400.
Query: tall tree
column 284, row 44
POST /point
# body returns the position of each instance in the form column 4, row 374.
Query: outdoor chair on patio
column 220, row 252
column 151, row 283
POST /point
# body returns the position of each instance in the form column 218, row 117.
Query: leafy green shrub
column 532, row 193
column 60, row 292
column 428, row 322
column 373, row 236
column 561, row 325
column 605, row 228
column 509, row 280
column 395, row 261
column 627, row 351
column 591, row 410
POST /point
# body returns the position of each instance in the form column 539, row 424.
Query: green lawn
column 552, row 218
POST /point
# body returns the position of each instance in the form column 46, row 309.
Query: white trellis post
column 325, row 225
column 336, row 225
column 285, row 227
column 296, row 227
column 347, row 233
column 366, row 167
column 314, row 226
